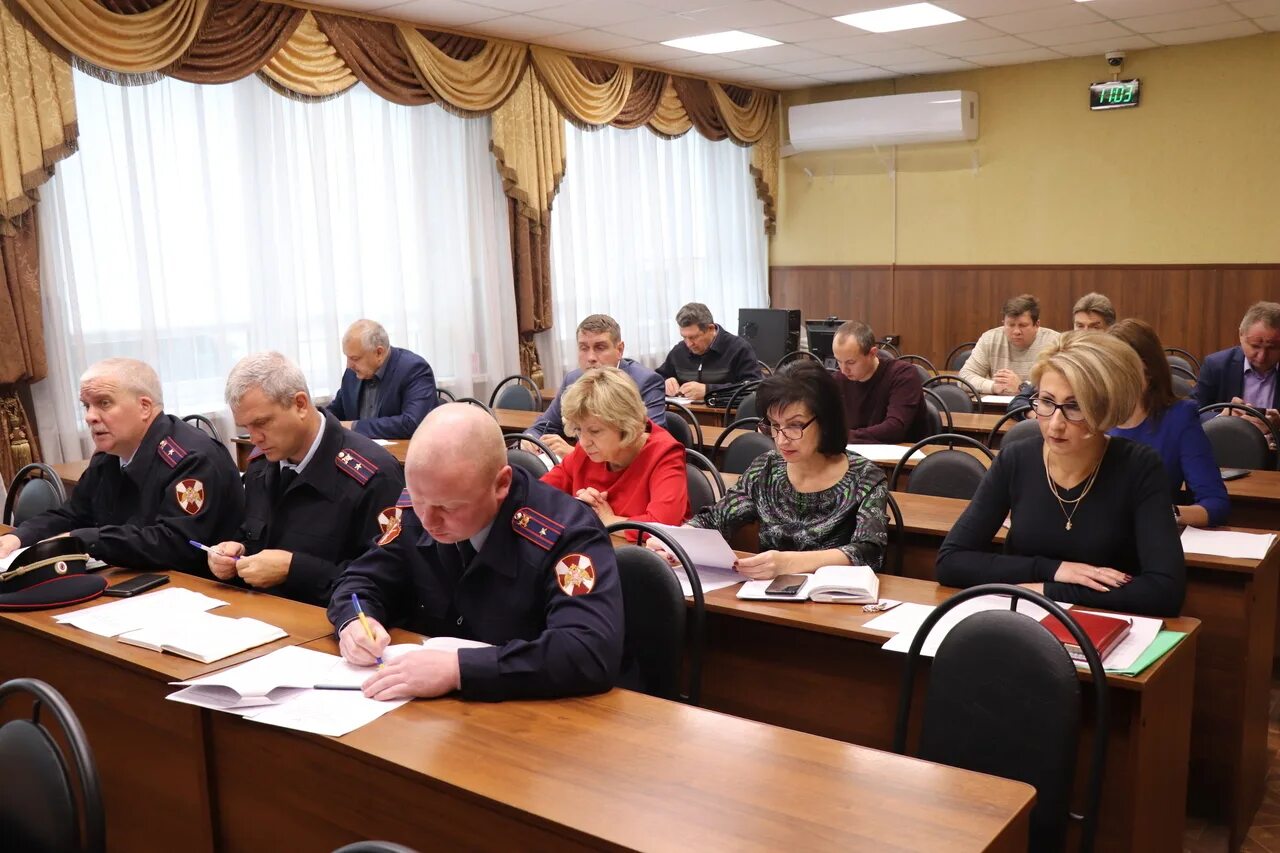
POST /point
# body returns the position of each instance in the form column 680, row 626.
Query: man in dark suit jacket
column 386, row 391
column 1248, row 373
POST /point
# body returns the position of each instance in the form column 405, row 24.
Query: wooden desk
column 618, row 771
column 816, row 668
column 1235, row 601
column 151, row 754
column 1255, row 500
column 977, row 425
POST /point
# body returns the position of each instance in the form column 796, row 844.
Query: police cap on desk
column 48, row 574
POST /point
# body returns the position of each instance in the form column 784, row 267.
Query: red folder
column 1105, row 631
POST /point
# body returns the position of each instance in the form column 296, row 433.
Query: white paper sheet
column 1226, row 543
column 998, row 399
column 1141, row 634
column 883, row 452
column 706, row 547
column 144, row 611
column 907, row 616
column 383, row 441
column 901, row 642
column 326, row 712
column 712, row 579
column 684, row 401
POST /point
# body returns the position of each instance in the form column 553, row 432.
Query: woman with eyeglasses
column 816, row 504
column 1090, row 519
column 1171, row 425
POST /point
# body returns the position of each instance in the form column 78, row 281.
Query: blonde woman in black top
column 1090, row 516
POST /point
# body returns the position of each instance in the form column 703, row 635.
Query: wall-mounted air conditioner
column 888, row 120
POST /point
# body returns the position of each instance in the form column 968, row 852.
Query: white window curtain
column 643, row 225
column 201, row 223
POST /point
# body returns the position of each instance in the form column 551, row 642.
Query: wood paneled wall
column 933, row 308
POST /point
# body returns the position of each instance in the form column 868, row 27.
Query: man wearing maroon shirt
column 883, row 400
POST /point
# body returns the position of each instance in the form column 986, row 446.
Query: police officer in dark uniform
column 315, row 492
column 154, row 483
column 484, row 552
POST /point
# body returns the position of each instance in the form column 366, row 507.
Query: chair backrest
column 472, row 401
column 892, row 563
column 374, row 847
column 1177, row 352
column 517, row 392
column 684, row 426
column 946, row 473
column 741, row 451
column 518, row 457
column 765, row 369
column 923, row 365
column 958, row 393
column 706, row 486
column 47, row 807
column 995, row 436
column 516, row 439
column 1004, row 698
column 662, row 631
column 1182, row 386
column 959, row 355
column 744, row 408
column 792, row 356
column 205, row 425
column 36, row 488
column 1236, row 442
column 937, row 414
column 1020, row 431
column 444, row 395
column 889, row 348
column 1180, row 369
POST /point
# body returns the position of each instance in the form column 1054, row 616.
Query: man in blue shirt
column 600, row 345
column 386, row 391
column 1248, row 373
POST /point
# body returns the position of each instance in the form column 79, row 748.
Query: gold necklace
column 1075, row 502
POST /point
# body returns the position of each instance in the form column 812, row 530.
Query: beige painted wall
column 1192, row 175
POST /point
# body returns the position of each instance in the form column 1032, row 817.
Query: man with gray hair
column 708, row 357
column 1248, row 373
column 316, row 493
column 154, row 483
column 386, row 391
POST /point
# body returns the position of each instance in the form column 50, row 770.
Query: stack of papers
column 154, row 608
column 1226, row 543
column 712, row 557
column 204, row 637
column 998, row 399
column 884, row 452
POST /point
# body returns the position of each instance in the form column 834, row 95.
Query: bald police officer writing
column 484, row 552
column 154, row 483
column 315, row 492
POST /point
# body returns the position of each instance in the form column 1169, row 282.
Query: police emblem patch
column 575, row 574
column 389, row 534
column 190, row 495
column 389, row 518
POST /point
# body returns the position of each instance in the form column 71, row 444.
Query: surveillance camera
column 1115, row 58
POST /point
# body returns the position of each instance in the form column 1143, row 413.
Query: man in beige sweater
column 1003, row 356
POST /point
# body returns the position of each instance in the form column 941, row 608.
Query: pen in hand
column 364, row 620
column 209, row 550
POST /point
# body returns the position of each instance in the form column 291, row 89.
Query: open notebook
column 829, row 584
column 203, row 636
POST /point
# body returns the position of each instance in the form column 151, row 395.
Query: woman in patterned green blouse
column 816, row 504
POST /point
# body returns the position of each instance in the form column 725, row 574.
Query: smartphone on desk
column 136, row 585
column 786, row 585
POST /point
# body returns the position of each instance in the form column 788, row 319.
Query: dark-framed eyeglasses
column 791, row 432
column 1045, row 409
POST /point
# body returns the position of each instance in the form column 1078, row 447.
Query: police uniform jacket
column 327, row 516
column 180, row 485
column 543, row 591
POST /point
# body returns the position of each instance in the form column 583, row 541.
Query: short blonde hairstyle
column 1104, row 373
column 608, row 394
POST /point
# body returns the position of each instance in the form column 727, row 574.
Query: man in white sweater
column 1002, row 359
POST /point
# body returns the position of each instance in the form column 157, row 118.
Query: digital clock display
column 1113, row 95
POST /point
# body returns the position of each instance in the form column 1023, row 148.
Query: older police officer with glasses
column 1090, row 516
column 817, row 504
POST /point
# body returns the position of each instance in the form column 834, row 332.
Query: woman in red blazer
column 624, row 466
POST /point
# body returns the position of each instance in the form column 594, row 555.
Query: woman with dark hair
column 1171, row 425
column 816, row 504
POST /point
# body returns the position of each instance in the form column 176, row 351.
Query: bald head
column 366, row 346
column 457, row 471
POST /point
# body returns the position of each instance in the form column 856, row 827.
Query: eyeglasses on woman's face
column 1044, row 408
column 791, row 432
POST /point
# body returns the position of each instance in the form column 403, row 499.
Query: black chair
column 472, row 401
column 1182, row 355
column 892, row 563
column 1004, row 698
column 792, row 356
column 1182, row 387
column 518, row 457
column 706, row 486
column 739, row 453
column 923, row 365
column 684, row 426
column 517, row 392
column 662, row 631
column 1183, row 371
column 36, row 488
column 444, row 395
column 205, row 425
column 1238, row 443
column 994, row 434
column 959, row 393
column 46, row 807
column 374, row 847
column 939, row 416
column 765, row 370
column 889, row 348
column 946, row 473
column 959, row 355
column 744, row 397
column 1020, row 431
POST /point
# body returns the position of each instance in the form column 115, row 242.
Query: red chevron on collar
column 355, row 466
column 536, row 527
column 404, row 501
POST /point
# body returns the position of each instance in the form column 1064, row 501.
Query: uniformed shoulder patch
column 190, row 494
column 575, row 575
column 389, row 518
column 355, row 466
column 404, row 501
column 170, row 451
column 536, row 527
column 389, row 534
